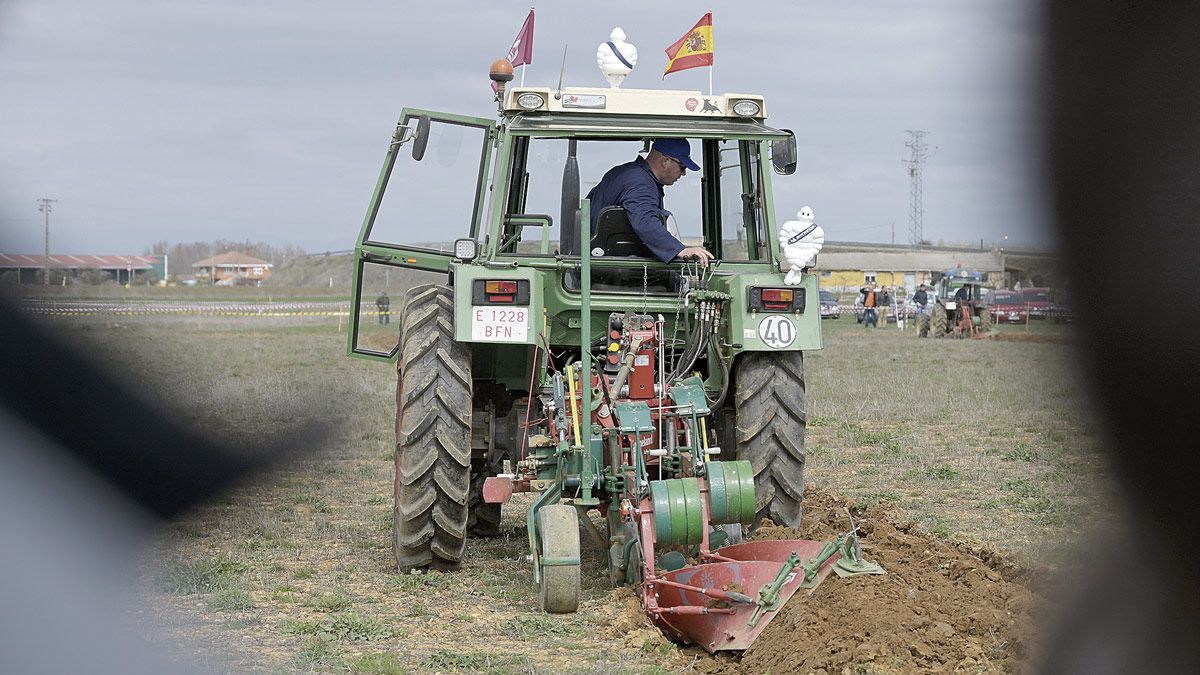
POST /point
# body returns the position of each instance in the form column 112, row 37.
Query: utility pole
column 915, row 162
column 45, row 206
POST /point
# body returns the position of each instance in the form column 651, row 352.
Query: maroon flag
column 521, row 51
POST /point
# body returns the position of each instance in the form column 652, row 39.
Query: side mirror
column 421, row 138
column 783, row 155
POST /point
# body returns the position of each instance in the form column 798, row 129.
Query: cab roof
column 630, row 126
column 664, row 102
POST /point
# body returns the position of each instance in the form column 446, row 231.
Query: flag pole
column 525, row 65
column 712, row 29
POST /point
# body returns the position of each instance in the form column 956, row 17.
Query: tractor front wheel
column 770, row 413
column 433, row 435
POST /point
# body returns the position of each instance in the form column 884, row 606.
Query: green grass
column 383, row 663
column 203, row 575
column 318, row 652
column 474, row 662
column 336, row 601
column 314, row 503
column 344, row 628
column 527, row 626
column 230, row 600
column 943, row 472
column 417, row 580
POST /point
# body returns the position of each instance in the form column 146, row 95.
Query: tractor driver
column 637, row 187
column 962, row 297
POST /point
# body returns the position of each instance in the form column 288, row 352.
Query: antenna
column 558, row 92
column 915, row 162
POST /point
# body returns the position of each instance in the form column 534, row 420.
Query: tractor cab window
column 546, row 172
column 720, row 206
column 425, row 203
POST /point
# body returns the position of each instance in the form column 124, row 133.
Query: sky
column 269, row 120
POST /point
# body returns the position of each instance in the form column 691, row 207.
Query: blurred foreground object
column 1121, row 99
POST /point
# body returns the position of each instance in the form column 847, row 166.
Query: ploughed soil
column 1056, row 338
column 941, row 607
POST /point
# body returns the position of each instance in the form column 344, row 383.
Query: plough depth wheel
column 558, row 560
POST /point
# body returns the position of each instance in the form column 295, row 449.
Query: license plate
column 499, row 324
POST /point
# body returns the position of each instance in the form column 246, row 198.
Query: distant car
column 1037, row 302
column 830, row 309
column 1007, row 306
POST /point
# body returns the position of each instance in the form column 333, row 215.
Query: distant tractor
column 950, row 319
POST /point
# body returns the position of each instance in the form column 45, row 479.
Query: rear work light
column 500, row 292
column 776, row 299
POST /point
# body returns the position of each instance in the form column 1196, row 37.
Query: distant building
column 26, row 268
column 231, row 268
column 843, row 266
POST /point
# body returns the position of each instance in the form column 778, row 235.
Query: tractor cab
column 466, row 198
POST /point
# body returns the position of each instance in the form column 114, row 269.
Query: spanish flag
column 694, row 49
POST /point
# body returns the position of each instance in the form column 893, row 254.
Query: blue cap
column 677, row 148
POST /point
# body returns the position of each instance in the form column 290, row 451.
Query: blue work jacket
column 633, row 187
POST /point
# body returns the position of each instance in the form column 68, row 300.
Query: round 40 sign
column 777, row 332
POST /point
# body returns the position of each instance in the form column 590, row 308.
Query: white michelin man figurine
column 616, row 58
column 800, row 240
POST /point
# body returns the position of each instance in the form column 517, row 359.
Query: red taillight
column 500, row 287
column 500, row 291
column 776, row 299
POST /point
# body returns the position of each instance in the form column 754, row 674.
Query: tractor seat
column 614, row 236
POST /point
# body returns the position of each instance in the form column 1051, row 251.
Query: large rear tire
column 433, row 435
column 770, row 410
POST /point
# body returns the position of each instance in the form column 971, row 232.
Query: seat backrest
column 615, row 236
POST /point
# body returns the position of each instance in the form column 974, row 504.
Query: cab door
column 429, row 193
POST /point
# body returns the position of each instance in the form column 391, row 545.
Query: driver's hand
column 696, row 253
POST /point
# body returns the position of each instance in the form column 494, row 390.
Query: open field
column 987, row 442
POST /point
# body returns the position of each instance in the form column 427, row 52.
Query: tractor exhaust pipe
column 570, row 232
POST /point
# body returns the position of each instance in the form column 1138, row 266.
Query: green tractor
column 947, row 318
column 668, row 398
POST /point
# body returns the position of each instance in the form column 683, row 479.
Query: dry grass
column 981, row 440
column 984, row 441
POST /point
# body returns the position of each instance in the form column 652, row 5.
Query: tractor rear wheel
column 922, row 325
column 940, row 321
column 769, row 405
column 985, row 319
column 433, row 435
column 558, row 558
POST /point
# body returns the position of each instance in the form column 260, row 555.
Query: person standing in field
column 383, row 304
column 885, row 302
column 921, row 300
column 870, row 302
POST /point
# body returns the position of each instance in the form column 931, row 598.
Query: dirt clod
column 940, row 607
